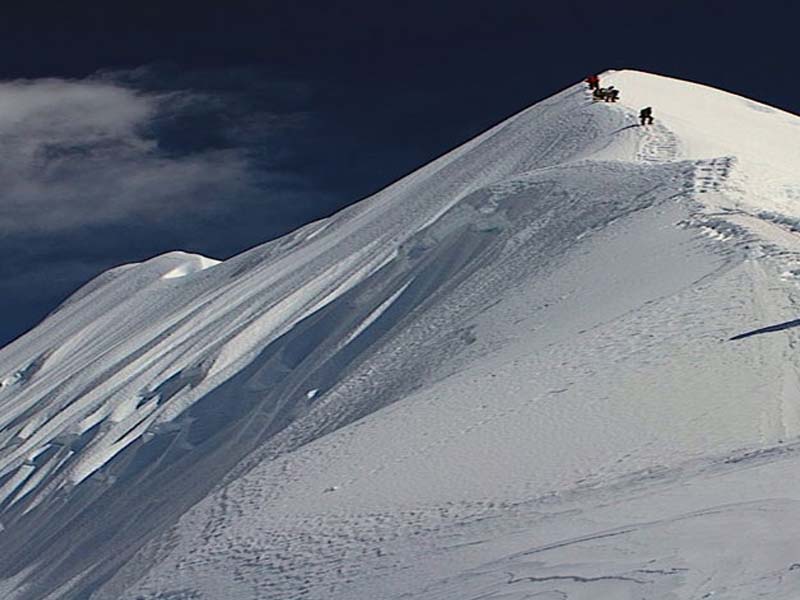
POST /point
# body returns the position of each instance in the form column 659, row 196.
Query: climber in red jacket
column 593, row 81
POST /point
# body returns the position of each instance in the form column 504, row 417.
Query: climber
column 612, row 94
column 593, row 81
column 599, row 93
column 646, row 116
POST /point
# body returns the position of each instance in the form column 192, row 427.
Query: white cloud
column 82, row 152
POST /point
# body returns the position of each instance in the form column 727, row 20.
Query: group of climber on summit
column 611, row 94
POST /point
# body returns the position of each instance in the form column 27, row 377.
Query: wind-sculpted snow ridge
column 503, row 376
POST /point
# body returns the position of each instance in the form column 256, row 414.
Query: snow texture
column 558, row 362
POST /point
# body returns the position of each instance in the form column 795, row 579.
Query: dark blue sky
column 245, row 120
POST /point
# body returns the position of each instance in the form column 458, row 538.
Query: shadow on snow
column 770, row 329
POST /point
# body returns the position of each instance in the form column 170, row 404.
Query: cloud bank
column 74, row 153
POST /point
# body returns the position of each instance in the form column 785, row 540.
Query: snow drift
column 511, row 373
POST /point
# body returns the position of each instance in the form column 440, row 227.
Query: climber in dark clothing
column 599, row 93
column 612, row 94
column 646, row 116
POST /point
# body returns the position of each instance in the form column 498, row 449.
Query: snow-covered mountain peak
column 711, row 122
column 183, row 264
column 509, row 326
column 704, row 123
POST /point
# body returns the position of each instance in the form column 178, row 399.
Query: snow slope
column 510, row 374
